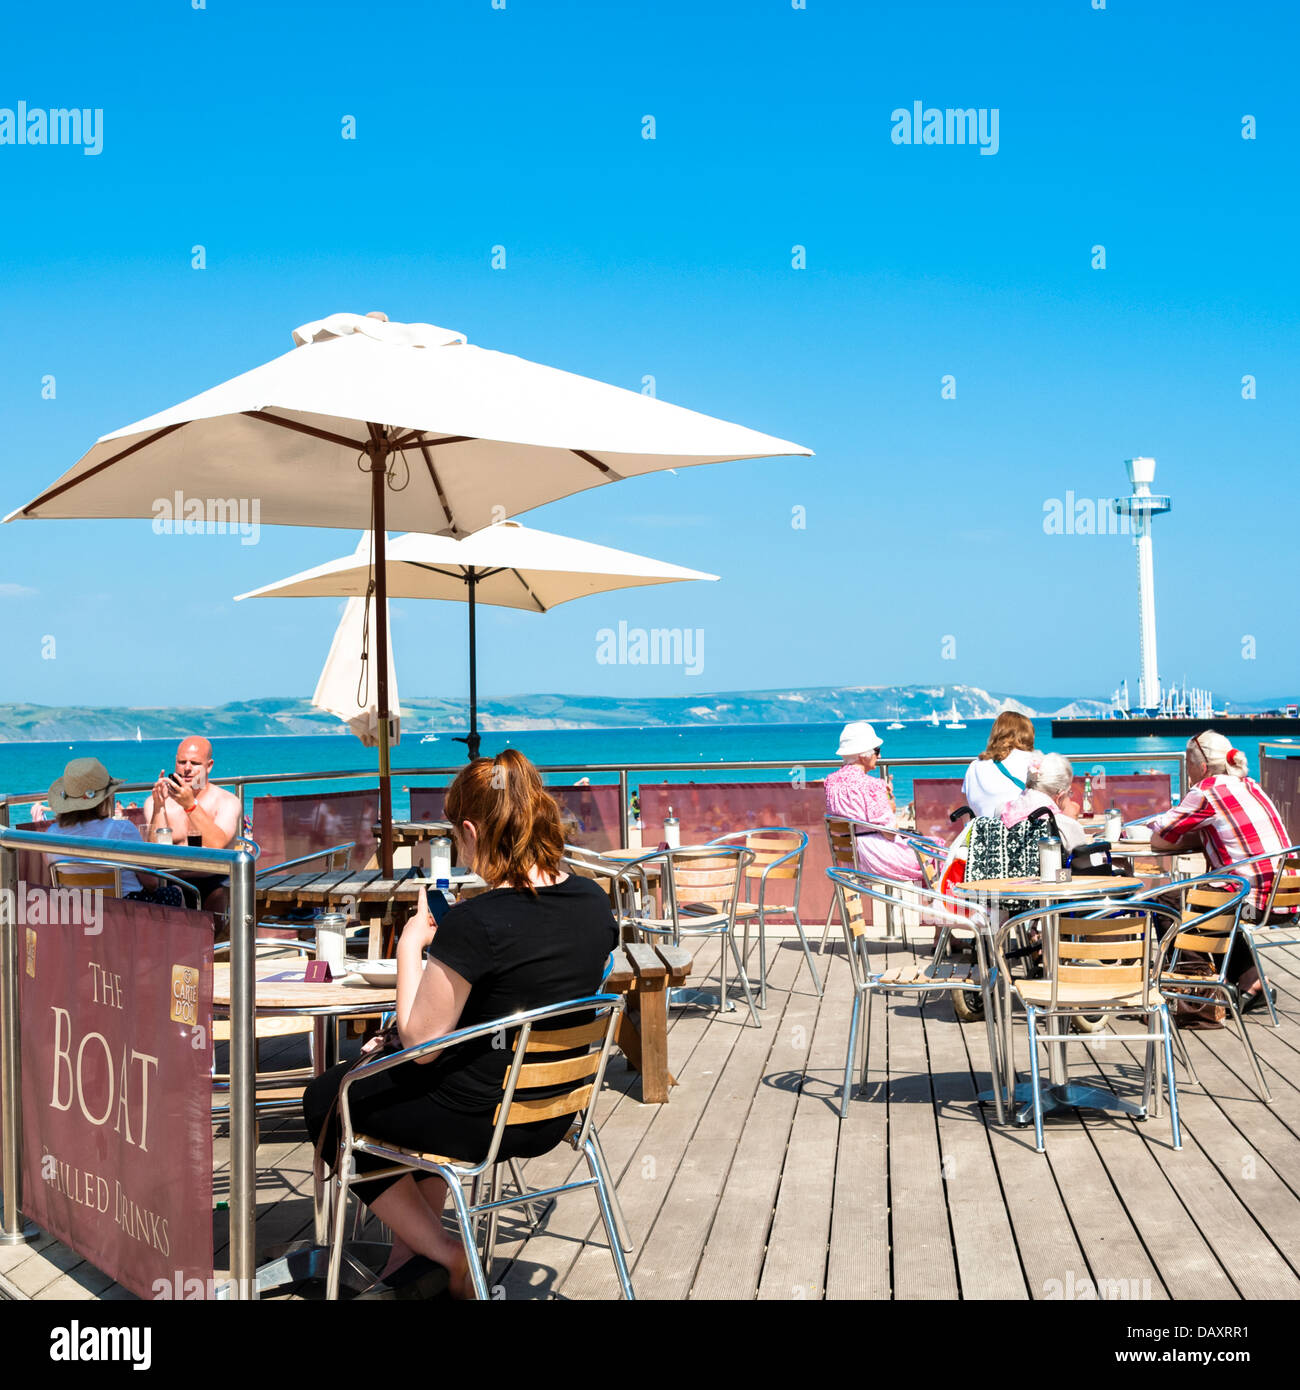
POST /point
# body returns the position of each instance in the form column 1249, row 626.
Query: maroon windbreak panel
column 589, row 814
column 1279, row 775
column 288, row 827
column 708, row 809
column 116, row 1017
column 1137, row 794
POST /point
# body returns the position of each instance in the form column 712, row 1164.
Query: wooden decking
column 746, row 1185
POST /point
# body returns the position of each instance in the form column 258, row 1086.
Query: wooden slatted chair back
column 855, row 911
column 1286, row 891
column 577, row 1073
column 712, row 880
column 839, row 836
column 1215, row 933
column 70, row 874
column 1103, row 951
column 769, row 846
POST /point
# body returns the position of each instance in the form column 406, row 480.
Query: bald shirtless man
column 189, row 804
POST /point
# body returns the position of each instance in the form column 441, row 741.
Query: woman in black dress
column 538, row 937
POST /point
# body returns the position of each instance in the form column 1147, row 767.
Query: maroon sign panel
column 116, row 1010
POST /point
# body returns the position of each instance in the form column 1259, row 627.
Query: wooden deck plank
column 758, row 1189
column 988, row 1262
column 732, row 1262
column 1250, row 1260
column 796, row 1262
column 858, row 1263
column 1044, row 1234
column 667, row 1140
column 544, row 1263
column 1185, row 1262
column 665, row 1266
column 920, row 1239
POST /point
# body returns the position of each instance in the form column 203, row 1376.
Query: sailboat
column 954, row 719
column 934, row 718
column 139, row 737
column 895, row 724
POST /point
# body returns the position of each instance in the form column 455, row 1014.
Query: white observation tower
column 1141, row 506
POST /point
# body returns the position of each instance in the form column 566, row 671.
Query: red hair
column 515, row 818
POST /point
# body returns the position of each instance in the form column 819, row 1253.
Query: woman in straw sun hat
column 82, row 801
column 852, row 792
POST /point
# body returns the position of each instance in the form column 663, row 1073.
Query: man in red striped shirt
column 1228, row 817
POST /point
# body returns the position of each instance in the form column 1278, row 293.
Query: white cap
column 858, row 737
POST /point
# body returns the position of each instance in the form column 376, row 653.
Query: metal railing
column 237, row 865
column 621, row 771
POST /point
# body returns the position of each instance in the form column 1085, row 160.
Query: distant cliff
column 283, row 716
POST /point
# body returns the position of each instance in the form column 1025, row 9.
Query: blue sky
column 522, row 127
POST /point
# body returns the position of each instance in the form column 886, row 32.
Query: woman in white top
column 998, row 775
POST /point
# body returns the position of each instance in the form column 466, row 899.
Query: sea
column 693, row 750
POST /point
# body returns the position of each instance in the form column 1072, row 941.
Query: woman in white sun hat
column 852, row 792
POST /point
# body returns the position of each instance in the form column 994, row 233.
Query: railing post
column 624, row 815
column 243, row 1118
column 11, row 1078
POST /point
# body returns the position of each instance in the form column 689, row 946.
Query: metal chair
column 629, row 892
column 1100, row 960
column 851, row 887
column 1211, row 918
column 584, row 1026
column 1281, row 911
column 841, row 839
column 99, row 873
column 701, row 887
column 778, row 855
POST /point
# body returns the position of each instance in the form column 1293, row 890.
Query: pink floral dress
column 852, row 792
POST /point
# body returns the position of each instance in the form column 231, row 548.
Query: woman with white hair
column 853, row 793
column 1047, row 783
column 1227, row 817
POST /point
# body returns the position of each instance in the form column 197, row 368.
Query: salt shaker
column 672, row 830
column 441, row 863
column 331, row 939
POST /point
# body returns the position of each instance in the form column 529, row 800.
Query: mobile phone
column 438, row 904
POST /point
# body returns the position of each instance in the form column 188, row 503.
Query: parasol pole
column 378, row 452
column 471, row 740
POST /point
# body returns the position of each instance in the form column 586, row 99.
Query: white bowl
column 377, row 972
